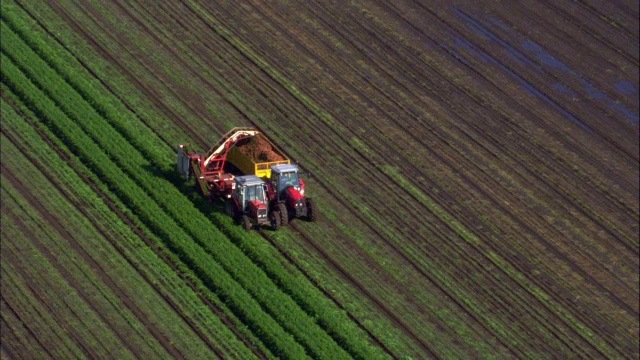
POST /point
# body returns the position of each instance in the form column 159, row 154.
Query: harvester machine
column 255, row 179
column 245, row 197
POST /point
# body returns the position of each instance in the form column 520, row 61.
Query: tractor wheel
column 275, row 218
column 312, row 210
column 284, row 214
column 230, row 208
column 246, row 222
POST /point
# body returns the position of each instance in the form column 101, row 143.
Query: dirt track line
column 628, row 35
column 68, row 331
column 79, row 339
column 95, row 75
column 586, row 213
column 489, row 119
column 379, row 304
column 327, row 294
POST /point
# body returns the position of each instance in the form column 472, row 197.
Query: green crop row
column 67, row 304
column 34, row 317
column 160, row 274
column 122, row 237
column 127, row 155
column 239, row 300
column 277, row 304
column 335, row 322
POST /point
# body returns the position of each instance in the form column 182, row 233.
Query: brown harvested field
column 475, row 165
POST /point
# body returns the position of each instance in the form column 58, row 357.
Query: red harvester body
column 235, row 169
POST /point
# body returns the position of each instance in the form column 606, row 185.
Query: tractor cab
column 287, row 195
column 249, row 203
column 250, row 190
column 285, row 176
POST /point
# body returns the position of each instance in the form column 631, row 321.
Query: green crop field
column 475, row 167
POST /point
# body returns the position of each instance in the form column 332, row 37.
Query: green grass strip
column 144, row 259
column 239, row 300
column 130, row 153
column 69, row 307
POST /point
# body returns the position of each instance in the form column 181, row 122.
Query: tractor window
column 288, row 179
column 253, row 192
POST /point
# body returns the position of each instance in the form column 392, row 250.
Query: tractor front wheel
column 246, row 222
column 312, row 210
column 284, row 214
column 275, row 218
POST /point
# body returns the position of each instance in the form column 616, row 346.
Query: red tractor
column 249, row 204
column 287, row 194
column 245, row 196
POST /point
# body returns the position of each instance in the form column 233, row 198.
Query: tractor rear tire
column 284, row 214
column 312, row 210
column 246, row 222
column 275, row 218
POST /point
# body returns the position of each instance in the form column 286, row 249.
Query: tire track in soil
column 102, row 82
column 613, row 234
column 545, row 151
column 202, row 144
column 596, row 221
column 568, row 30
column 527, row 69
column 114, row 208
column 98, row 270
column 88, row 351
column 579, row 14
column 327, row 294
column 330, row 191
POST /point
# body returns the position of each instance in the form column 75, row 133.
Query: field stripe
column 130, row 154
column 144, row 206
column 164, row 279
